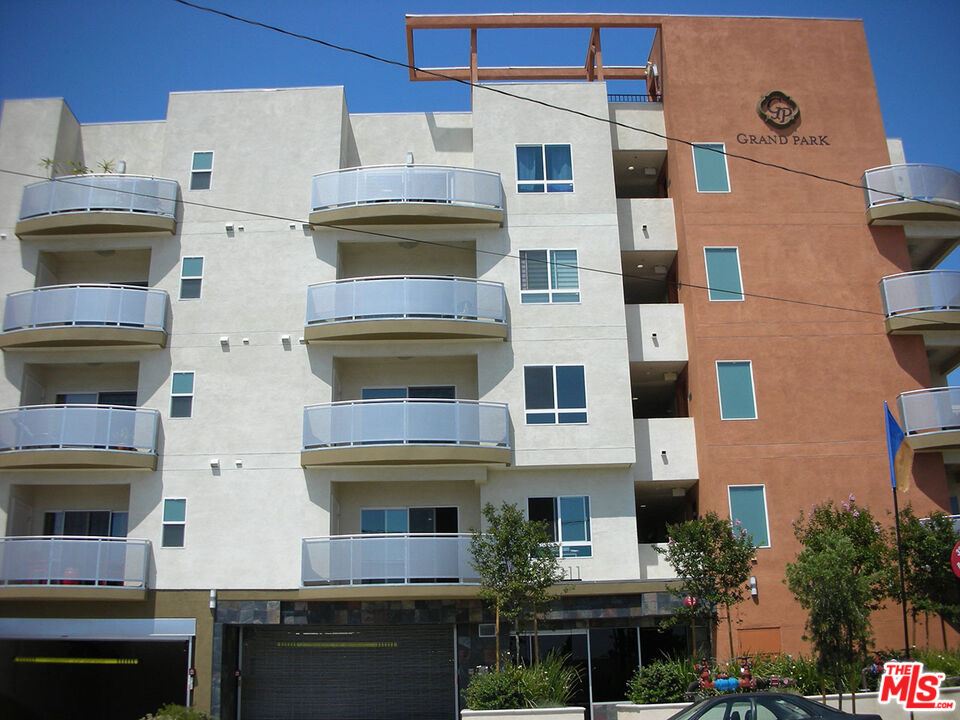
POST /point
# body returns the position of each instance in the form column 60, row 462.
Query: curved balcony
column 99, row 204
column 931, row 418
column 397, row 558
column 412, row 307
column 905, row 193
column 406, row 194
column 398, row 432
column 67, row 436
column 87, row 315
column 90, row 567
column 924, row 301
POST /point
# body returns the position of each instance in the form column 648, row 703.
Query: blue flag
column 894, row 441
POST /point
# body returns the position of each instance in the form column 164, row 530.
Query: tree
column 714, row 559
column 516, row 565
column 930, row 583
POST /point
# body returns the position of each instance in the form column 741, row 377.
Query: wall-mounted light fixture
column 213, row 599
column 753, row 585
column 214, row 462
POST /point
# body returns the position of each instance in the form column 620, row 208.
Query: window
column 201, row 170
column 181, row 395
column 710, row 166
column 413, row 520
column 748, row 506
column 174, row 521
column 123, row 398
column 544, row 168
column 568, row 522
column 191, row 276
column 85, row 523
column 549, row 276
column 735, row 381
column 554, row 394
column 441, row 392
column 723, row 273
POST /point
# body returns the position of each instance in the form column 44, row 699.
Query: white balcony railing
column 36, row 428
column 904, row 183
column 406, row 297
column 450, row 423
column 100, row 193
column 931, row 410
column 924, row 291
column 401, row 558
column 92, row 305
column 406, row 184
column 104, row 561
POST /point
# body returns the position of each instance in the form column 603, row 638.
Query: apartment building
column 261, row 376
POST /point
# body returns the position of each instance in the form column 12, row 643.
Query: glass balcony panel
column 100, row 193
column 431, row 185
column 89, row 305
column 381, row 185
column 906, row 183
column 936, row 410
column 380, row 298
column 433, row 422
column 73, row 561
column 100, row 427
column 921, row 291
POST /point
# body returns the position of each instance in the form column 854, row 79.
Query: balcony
column 78, row 436
column 666, row 451
column 924, row 301
column 931, row 418
column 907, row 193
column 88, row 315
column 99, row 204
column 419, row 307
column 406, row 194
column 369, row 432
column 83, row 567
column 396, row 559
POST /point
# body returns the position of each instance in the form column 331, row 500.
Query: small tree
column 714, row 559
column 516, row 566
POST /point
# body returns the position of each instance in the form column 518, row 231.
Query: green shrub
column 495, row 690
column 945, row 661
column 550, row 683
column 176, row 712
column 664, row 681
column 802, row 670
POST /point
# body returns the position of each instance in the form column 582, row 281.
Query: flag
column 899, row 452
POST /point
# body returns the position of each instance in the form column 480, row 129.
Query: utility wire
column 543, row 103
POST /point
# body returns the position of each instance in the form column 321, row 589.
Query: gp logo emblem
column 778, row 109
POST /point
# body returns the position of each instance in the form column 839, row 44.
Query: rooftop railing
column 36, row 428
column 930, row 184
column 86, row 304
column 401, row 558
column 101, row 561
column 100, row 193
column 631, row 98
column 920, row 292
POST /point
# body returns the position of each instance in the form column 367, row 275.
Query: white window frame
column 550, row 291
column 193, row 158
column 726, row 166
column 766, row 511
column 556, row 410
column 560, row 543
column 706, row 269
column 753, row 389
column 164, row 522
column 543, row 157
column 192, row 395
column 199, row 277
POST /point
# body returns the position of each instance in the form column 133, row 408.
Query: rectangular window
column 568, row 522
column 544, row 168
column 181, row 395
column 555, row 394
column 174, row 521
column 748, row 506
column 98, row 523
column 191, row 276
column 735, row 381
column 710, row 166
column 429, row 520
column 441, row 392
column 723, row 273
column 549, row 276
column 201, row 170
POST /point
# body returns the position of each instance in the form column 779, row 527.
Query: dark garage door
column 364, row 673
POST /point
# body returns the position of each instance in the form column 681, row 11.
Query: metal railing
column 420, row 296
column 354, row 423
column 396, row 558
column 100, row 193
column 45, row 560
column 86, row 304
column 921, row 291
column 930, row 410
column 406, row 183
column 904, row 183
column 78, row 427
column 632, row 98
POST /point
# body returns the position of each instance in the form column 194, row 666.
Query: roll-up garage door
column 338, row 673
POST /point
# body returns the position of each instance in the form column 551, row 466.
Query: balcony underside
column 96, row 223
column 894, row 213
column 405, row 329
column 83, row 336
column 65, row 458
column 924, row 321
column 406, row 212
column 95, row 593
column 946, row 439
column 411, row 454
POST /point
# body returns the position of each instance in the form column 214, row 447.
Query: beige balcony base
column 400, row 213
column 78, row 458
column 935, row 441
column 95, row 222
column 405, row 328
column 97, row 593
column 405, row 455
column 893, row 213
column 82, row 336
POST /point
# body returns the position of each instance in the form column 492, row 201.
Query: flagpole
column 895, row 437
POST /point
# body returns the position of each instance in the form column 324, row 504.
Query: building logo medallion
column 778, row 109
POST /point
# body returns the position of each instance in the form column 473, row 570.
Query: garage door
column 337, row 673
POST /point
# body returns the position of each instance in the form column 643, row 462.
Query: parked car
column 763, row 706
